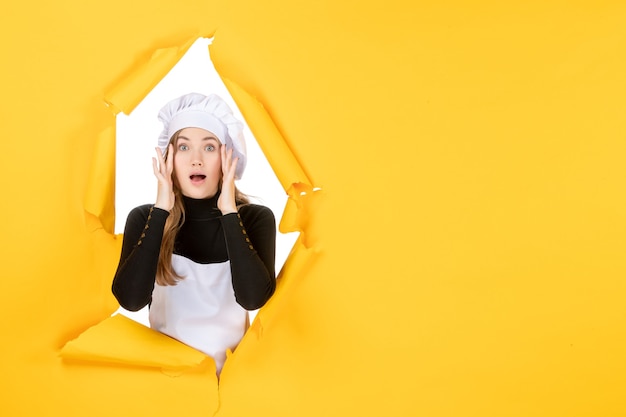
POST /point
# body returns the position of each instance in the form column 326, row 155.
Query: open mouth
column 197, row 177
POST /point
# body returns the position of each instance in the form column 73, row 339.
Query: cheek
column 214, row 162
column 178, row 164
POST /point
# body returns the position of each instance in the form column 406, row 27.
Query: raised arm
column 251, row 244
column 135, row 276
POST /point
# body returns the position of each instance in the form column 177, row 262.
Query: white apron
column 200, row 310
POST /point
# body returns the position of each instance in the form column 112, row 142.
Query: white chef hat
column 209, row 113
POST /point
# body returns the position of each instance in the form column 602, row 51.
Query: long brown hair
column 165, row 272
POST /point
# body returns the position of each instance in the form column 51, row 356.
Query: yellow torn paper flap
column 121, row 340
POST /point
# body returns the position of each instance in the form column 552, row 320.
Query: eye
column 209, row 148
column 183, row 147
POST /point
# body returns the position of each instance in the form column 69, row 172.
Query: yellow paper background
column 463, row 255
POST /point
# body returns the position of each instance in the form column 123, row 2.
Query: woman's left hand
column 226, row 201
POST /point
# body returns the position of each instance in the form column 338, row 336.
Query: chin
column 199, row 194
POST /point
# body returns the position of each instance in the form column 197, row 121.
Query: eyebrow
column 203, row 139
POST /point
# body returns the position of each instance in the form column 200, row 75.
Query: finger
column 229, row 174
column 155, row 167
column 157, row 171
column 226, row 159
column 160, row 159
column 229, row 157
column 233, row 164
column 170, row 159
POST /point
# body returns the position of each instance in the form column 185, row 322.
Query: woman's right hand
column 163, row 173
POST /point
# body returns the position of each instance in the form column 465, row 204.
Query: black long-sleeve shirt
column 246, row 238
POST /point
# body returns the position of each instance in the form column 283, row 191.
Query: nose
column 196, row 159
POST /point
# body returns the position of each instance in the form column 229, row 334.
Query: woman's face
column 197, row 162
